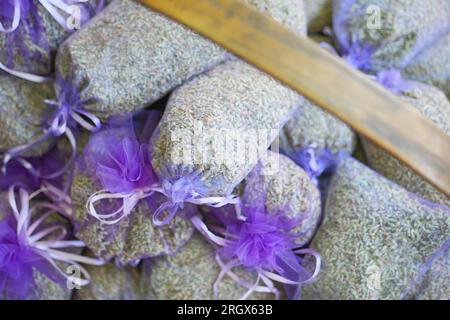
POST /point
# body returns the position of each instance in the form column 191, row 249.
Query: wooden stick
column 304, row 66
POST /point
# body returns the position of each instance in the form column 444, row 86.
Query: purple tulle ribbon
column 69, row 114
column 355, row 52
column 261, row 243
column 27, row 241
column 126, row 174
column 258, row 241
column 319, row 163
column 359, row 56
column 24, row 22
column 186, row 189
column 392, row 80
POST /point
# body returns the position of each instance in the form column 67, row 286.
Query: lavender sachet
column 46, row 120
column 109, row 282
column 137, row 56
column 432, row 66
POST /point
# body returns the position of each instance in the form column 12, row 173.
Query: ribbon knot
column 58, row 126
column 54, row 7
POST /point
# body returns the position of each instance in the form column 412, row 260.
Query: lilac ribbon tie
column 59, row 125
column 51, row 250
column 60, row 197
column 202, row 228
column 25, row 75
column 178, row 194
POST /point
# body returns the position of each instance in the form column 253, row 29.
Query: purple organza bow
column 392, row 80
column 27, row 243
column 359, row 56
column 260, row 242
column 125, row 173
column 186, row 189
column 70, row 113
column 17, row 11
column 318, row 163
column 24, row 22
column 123, row 166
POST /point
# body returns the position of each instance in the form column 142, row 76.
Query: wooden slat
column 301, row 64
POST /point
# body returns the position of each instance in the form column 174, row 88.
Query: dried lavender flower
column 290, row 13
